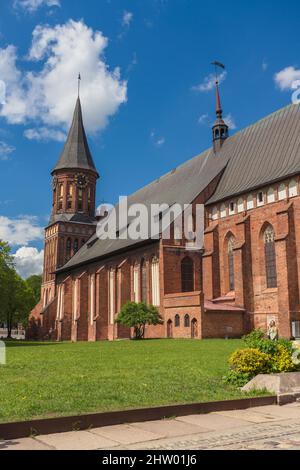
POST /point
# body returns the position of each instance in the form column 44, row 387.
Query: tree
column 16, row 297
column 34, row 283
column 137, row 316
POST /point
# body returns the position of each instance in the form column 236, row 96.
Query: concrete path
column 268, row 427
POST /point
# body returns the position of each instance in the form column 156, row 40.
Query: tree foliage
column 137, row 316
column 16, row 295
column 34, row 283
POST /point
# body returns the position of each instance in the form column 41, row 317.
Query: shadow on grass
column 15, row 344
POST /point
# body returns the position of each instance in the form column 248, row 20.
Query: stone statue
column 273, row 331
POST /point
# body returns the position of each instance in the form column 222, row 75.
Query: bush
column 282, row 361
column 236, row 379
column 252, row 338
column 250, row 361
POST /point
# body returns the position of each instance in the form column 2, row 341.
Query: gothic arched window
column 230, row 248
column 76, row 246
column 187, row 275
column 177, row 320
column 144, row 281
column 68, row 248
column 187, row 321
column 270, row 257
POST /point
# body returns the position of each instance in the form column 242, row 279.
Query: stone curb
column 24, row 429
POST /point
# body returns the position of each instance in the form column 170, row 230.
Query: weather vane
column 218, row 65
column 79, row 80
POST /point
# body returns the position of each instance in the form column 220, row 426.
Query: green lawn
column 54, row 379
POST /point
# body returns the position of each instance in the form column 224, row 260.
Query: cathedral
column 245, row 275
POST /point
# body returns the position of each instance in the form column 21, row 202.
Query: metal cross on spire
column 218, row 65
column 79, row 81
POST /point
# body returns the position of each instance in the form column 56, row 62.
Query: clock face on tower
column 81, row 180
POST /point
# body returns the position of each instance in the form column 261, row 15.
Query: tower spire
column 220, row 128
column 79, row 82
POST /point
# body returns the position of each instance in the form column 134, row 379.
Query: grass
column 59, row 379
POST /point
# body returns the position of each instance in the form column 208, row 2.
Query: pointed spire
column 218, row 102
column 76, row 152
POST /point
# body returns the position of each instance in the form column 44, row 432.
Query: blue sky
column 144, row 66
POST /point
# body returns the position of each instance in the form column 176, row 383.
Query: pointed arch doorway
column 194, row 329
column 170, row 329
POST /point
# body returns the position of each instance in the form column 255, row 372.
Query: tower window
column 80, row 197
column 76, row 246
column 187, row 275
column 270, row 258
column 68, row 248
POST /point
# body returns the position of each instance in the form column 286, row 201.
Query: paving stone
column 126, row 434
column 81, row 440
column 278, row 411
column 170, row 428
column 214, row 422
column 251, row 416
column 24, row 444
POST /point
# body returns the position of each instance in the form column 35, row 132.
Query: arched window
column 282, row 192
column 293, row 189
column 187, row 321
column 250, row 202
column 230, row 248
column 270, row 196
column 80, row 200
column 144, row 281
column 240, row 205
column 69, row 248
column 187, row 275
column 76, row 246
column 177, row 321
column 270, row 257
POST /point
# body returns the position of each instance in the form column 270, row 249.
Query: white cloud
column 160, row 142
column 209, row 82
column 29, row 261
column 127, row 18
column 33, row 5
column 43, row 134
column 20, row 231
column 203, row 119
column 5, row 150
column 229, row 120
column 47, row 97
column 286, row 78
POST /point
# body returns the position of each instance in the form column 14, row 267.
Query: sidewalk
column 268, row 427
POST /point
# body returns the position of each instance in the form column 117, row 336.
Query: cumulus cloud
column 229, row 120
column 43, row 134
column 33, row 5
column 5, row 150
column 29, row 261
column 21, row 230
column 47, row 96
column 286, row 79
column 127, row 18
column 209, row 82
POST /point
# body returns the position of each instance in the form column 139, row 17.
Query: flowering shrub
column 250, row 361
column 262, row 356
column 282, row 361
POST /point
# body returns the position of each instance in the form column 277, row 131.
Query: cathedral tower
column 72, row 221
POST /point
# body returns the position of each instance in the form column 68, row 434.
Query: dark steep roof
column 76, row 152
column 264, row 152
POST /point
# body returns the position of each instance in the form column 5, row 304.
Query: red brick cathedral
column 246, row 275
